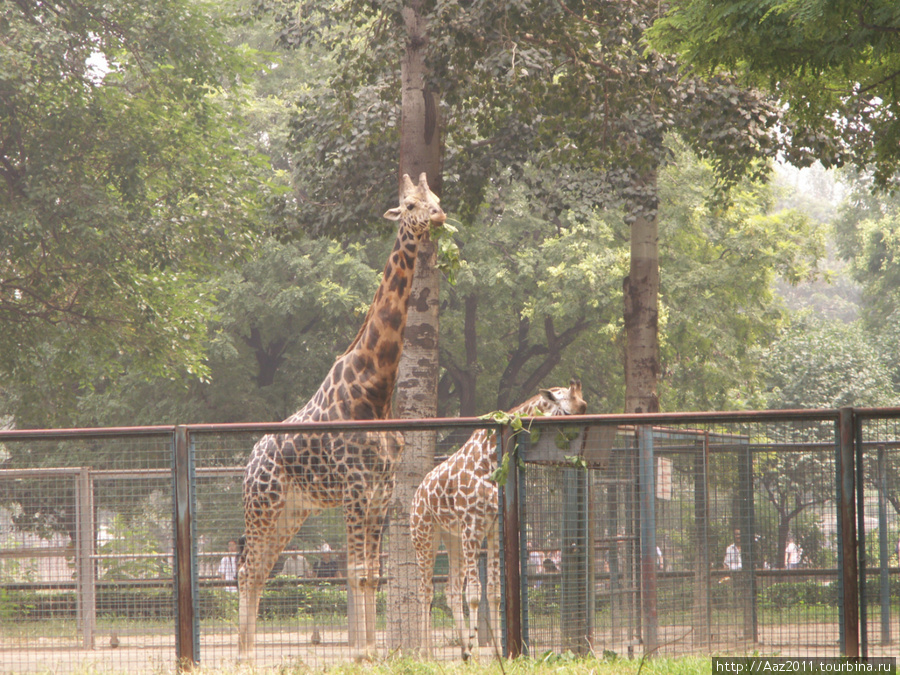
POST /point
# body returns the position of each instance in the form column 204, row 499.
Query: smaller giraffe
column 457, row 503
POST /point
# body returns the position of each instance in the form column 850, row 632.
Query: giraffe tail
column 241, row 542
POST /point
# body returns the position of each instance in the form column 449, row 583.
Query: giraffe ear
column 547, row 394
column 394, row 213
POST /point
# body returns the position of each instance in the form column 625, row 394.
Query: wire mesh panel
column 726, row 543
column 715, row 533
column 581, row 545
column 879, row 538
column 86, row 552
column 305, row 612
column 303, row 607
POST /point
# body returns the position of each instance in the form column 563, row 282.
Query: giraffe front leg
column 372, row 582
column 363, row 578
column 360, row 609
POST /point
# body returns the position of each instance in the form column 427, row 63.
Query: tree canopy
column 123, row 185
column 834, row 65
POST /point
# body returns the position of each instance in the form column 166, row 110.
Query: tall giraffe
column 457, row 503
column 290, row 476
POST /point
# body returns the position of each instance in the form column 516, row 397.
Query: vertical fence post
column 702, row 625
column 847, row 552
column 648, row 539
column 616, row 596
column 84, row 552
column 511, row 549
column 883, row 551
column 187, row 648
column 746, row 578
column 521, row 490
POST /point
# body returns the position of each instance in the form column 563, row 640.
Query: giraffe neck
column 361, row 381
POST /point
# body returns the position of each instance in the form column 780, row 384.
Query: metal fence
column 744, row 533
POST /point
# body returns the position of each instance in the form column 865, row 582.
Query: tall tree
column 421, row 151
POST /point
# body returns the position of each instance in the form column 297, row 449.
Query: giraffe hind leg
column 470, row 549
column 456, row 591
column 264, row 542
column 493, row 589
column 424, row 544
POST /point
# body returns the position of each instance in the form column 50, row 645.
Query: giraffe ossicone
column 292, row 475
column 456, row 503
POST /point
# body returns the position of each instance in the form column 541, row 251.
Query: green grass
column 549, row 664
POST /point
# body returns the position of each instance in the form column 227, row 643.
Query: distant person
column 733, row 553
column 228, row 565
column 327, row 567
column 792, row 554
column 297, row 566
column 534, row 559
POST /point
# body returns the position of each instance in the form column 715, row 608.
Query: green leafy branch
column 448, row 260
column 515, row 422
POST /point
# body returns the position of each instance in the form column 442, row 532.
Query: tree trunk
column 420, row 150
column 641, row 300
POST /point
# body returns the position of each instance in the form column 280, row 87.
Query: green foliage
column 537, row 167
column 129, row 545
column 123, row 185
column 833, row 65
column 717, row 268
column 290, row 600
column 816, row 364
column 788, row 594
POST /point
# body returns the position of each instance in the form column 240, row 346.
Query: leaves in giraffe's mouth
column 448, row 260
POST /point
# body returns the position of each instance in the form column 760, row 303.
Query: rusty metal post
column 187, row 648
column 847, row 549
column 859, row 477
column 511, row 549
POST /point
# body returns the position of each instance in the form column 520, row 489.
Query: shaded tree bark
column 416, row 394
column 641, row 304
column 512, row 390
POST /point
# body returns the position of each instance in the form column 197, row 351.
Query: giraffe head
column 563, row 401
column 419, row 210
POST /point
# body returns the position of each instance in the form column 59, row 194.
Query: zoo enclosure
column 634, row 528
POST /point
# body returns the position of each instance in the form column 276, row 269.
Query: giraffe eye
column 410, row 207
